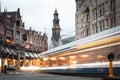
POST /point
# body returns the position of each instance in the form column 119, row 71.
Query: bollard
column 111, row 77
column 111, row 57
column 5, row 69
column 111, row 69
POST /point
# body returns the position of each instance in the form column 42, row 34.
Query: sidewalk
column 8, row 72
column 2, row 73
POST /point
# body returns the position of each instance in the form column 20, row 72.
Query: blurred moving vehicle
column 11, row 67
column 88, row 55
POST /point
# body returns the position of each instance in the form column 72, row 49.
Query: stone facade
column 93, row 16
column 36, row 41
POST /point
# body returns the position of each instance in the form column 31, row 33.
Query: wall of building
column 93, row 16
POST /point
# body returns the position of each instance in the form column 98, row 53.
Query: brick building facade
column 36, row 40
column 13, row 49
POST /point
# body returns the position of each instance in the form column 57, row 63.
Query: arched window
column 17, row 23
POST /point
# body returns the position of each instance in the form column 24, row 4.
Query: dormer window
column 17, row 23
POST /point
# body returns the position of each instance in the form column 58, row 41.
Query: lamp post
column 3, row 38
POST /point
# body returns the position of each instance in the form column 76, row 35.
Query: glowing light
column 27, row 60
column 9, row 59
column 72, row 57
column 45, row 59
column 53, row 58
column 6, row 62
column 74, row 62
column 100, row 56
column 30, row 68
column 84, row 56
column 8, row 40
column 61, row 58
column 21, row 60
column 14, row 62
column 53, row 68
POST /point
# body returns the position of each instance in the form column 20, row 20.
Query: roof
column 12, row 13
column 1, row 13
column 55, row 43
column 68, row 40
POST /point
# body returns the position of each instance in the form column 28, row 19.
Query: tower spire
column 56, row 27
column 55, row 8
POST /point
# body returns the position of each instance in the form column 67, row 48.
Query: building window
column 98, row 11
column 77, row 19
column 103, row 25
column 87, row 32
column 8, row 27
column 100, row 26
column 88, row 17
column 112, row 23
column 112, row 4
column 94, row 13
column 17, row 23
column 94, row 28
column 17, row 35
column 106, row 24
column 93, row 2
column 1, row 31
column 77, row 7
column 102, row 9
column 106, row 5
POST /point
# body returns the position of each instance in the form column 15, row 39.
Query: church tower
column 56, row 28
column 56, row 39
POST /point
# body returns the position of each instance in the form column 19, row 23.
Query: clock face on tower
column 56, row 26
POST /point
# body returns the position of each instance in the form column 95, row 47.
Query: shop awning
column 35, row 55
column 39, row 56
column 8, row 51
column 13, row 51
column 3, row 49
column 31, row 55
column 27, row 54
